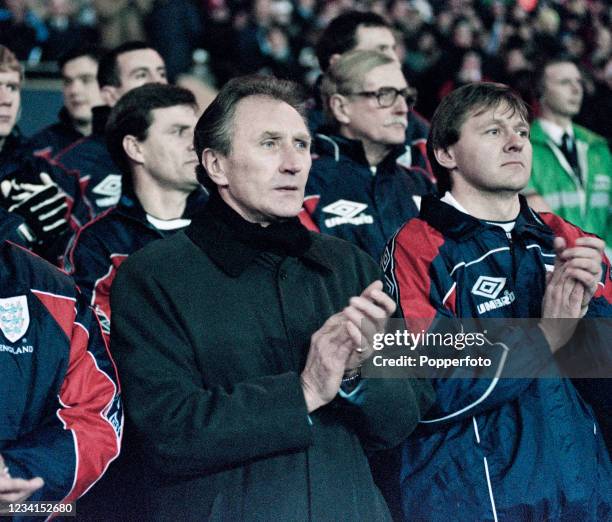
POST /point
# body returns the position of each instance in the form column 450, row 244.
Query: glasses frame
column 409, row 94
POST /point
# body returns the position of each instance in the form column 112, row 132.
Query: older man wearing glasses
column 358, row 190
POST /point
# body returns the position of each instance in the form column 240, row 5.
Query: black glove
column 43, row 207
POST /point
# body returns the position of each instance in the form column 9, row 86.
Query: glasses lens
column 387, row 96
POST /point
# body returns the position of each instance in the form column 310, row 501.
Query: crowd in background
column 443, row 43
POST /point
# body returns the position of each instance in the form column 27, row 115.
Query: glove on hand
column 43, row 206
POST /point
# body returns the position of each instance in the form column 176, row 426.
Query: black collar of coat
column 14, row 144
column 100, row 116
column 462, row 227
column 335, row 145
column 67, row 123
column 233, row 243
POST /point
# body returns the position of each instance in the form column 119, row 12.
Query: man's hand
column 563, row 299
column 583, row 262
column 14, row 489
column 43, row 206
column 339, row 344
column 368, row 315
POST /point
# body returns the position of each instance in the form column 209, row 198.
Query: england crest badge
column 14, row 317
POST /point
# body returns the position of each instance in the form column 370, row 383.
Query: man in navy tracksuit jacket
column 358, row 188
column 364, row 30
column 127, row 66
column 60, row 411
column 80, row 92
column 16, row 162
column 45, row 196
column 160, row 188
column 106, row 242
column 501, row 448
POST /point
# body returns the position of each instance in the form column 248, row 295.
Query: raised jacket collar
column 461, row 227
column 334, row 145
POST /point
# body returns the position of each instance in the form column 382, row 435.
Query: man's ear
column 109, row 95
column 340, row 109
column 333, row 59
column 446, row 157
column 215, row 165
column 132, row 149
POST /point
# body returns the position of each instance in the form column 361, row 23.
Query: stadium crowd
column 189, row 291
column 442, row 44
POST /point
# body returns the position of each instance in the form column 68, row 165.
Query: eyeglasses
column 386, row 96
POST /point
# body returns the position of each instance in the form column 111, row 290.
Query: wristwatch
column 350, row 382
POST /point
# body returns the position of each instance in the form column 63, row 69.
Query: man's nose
column 577, row 86
column 515, row 142
column 292, row 160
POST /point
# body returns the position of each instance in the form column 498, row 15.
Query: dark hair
column 108, row 70
column 132, row 116
column 73, row 54
column 543, row 64
column 9, row 62
column 214, row 128
column 340, row 35
column 470, row 100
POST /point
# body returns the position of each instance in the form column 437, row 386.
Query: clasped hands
column 570, row 287
column 343, row 343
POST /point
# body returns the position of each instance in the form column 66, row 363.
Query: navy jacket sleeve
column 94, row 268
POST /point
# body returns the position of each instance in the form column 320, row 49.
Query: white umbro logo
column 489, row 287
column 110, row 190
column 345, row 208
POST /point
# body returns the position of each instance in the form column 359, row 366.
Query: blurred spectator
column 469, row 71
column 572, row 166
column 81, row 93
column 422, row 52
column 22, row 30
column 218, row 38
column 596, row 113
column 352, row 31
column 66, row 32
column 280, row 56
column 121, row 21
column 250, row 38
column 175, row 30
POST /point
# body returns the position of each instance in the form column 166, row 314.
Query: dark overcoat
column 211, row 337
